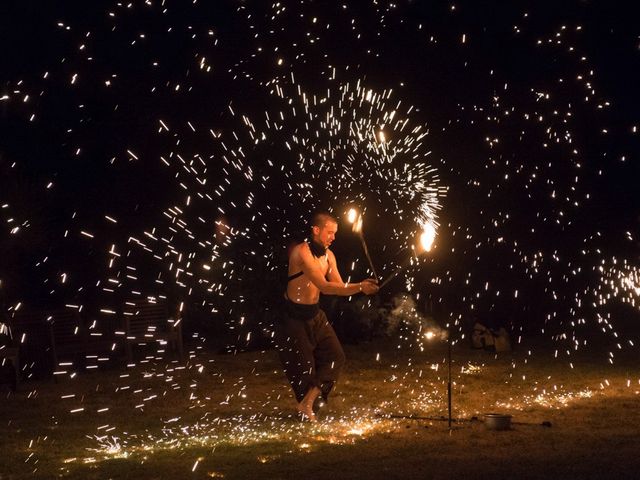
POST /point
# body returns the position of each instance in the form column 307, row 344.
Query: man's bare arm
column 368, row 286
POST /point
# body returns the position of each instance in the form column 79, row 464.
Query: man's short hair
column 319, row 218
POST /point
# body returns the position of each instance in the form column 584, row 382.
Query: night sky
column 173, row 149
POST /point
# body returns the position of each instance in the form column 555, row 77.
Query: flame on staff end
column 352, row 215
column 427, row 237
column 355, row 218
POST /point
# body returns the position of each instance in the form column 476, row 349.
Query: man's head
column 323, row 228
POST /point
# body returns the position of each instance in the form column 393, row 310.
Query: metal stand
column 449, row 375
column 449, row 417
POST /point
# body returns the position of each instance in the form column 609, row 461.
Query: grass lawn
column 231, row 416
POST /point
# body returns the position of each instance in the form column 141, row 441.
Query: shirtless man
column 310, row 352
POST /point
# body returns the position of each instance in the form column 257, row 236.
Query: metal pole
column 366, row 252
column 449, row 375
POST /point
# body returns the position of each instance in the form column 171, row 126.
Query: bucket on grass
column 497, row 421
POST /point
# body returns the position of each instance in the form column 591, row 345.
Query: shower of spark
column 298, row 141
column 245, row 431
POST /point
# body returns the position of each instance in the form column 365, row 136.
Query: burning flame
column 352, row 215
column 428, row 236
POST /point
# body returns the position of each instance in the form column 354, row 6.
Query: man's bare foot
column 305, row 407
column 307, row 413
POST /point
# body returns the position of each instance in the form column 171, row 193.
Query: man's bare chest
column 323, row 263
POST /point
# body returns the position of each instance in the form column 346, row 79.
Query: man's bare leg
column 305, row 407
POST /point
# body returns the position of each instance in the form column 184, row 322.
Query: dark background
column 498, row 234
